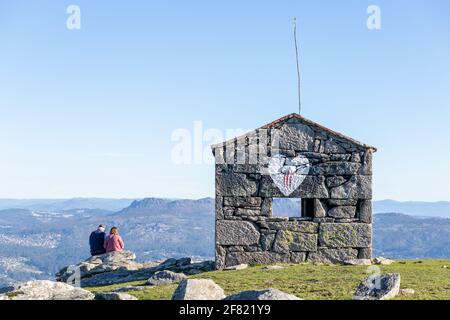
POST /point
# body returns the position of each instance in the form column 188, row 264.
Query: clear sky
column 91, row 112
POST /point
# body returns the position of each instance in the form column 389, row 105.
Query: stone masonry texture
column 337, row 178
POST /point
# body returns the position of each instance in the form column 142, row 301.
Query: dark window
column 308, row 208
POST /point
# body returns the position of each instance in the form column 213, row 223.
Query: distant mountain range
column 37, row 237
column 414, row 208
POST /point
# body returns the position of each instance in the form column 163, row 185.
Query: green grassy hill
column 429, row 278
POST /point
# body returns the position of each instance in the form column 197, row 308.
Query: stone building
column 293, row 157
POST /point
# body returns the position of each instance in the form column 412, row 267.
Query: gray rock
column 298, row 257
column 336, row 169
column 345, row 235
column 365, row 211
column 248, row 212
column 131, row 288
column 236, row 233
column 264, row 257
column 235, row 185
column 358, row 187
column 382, row 261
column 286, row 241
column 358, row 262
column 366, row 168
column 198, row 289
column 165, row 277
column 137, row 272
column 266, row 294
column 342, row 202
column 331, row 256
column 242, row 201
column 378, row 287
column 332, row 146
column 114, row 296
column 298, row 137
column 297, row 226
column 273, row 268
column 341, row 157
column 237, row 267
column 407, row 292
column 319, row 210
column 342, row 212
column 45, row 290
column 266, row 241
column 100, row 264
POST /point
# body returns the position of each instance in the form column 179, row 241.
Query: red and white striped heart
column 288, row 173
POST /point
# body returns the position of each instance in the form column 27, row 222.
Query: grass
column 429, row 279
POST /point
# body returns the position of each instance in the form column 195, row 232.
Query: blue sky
column 90, row 112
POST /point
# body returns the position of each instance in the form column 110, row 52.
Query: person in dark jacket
column 97, row 240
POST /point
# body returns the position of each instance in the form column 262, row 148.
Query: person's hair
column 114, row 230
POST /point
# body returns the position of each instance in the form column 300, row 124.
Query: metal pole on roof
column 298, row 67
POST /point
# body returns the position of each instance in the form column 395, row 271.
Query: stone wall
column 338, row 179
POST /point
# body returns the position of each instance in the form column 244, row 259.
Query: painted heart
column 288, row 173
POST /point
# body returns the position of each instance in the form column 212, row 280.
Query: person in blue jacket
column 97, row 240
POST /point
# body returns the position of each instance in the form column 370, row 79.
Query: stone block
column 335, row 169
column 295, row 136
column 345, row 235
column 261, row 257
column 236, row 233
column 326, row 255
column 298, row 257
column 242, row 201
column 286, row 241
column 296, row 226
column 235, row 185
column 365, row 211
column 342, row 212
column 358, row 187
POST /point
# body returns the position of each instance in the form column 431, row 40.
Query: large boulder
column 266, row 294
column 100, row 264
column 44, row 290
column 165, row 277
column 378, row 287
column 120, row 267
column 198, row 289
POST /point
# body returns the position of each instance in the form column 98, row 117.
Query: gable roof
column 278, row 123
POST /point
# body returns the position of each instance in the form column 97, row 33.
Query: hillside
column 429, row 278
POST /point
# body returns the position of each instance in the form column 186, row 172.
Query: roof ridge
column 282, row 120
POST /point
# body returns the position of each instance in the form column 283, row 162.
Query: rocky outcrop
column 266, row 294
column 44, row 290
column 120, row 267
column 378, row 287
column 198, row 289
column 165, row 277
